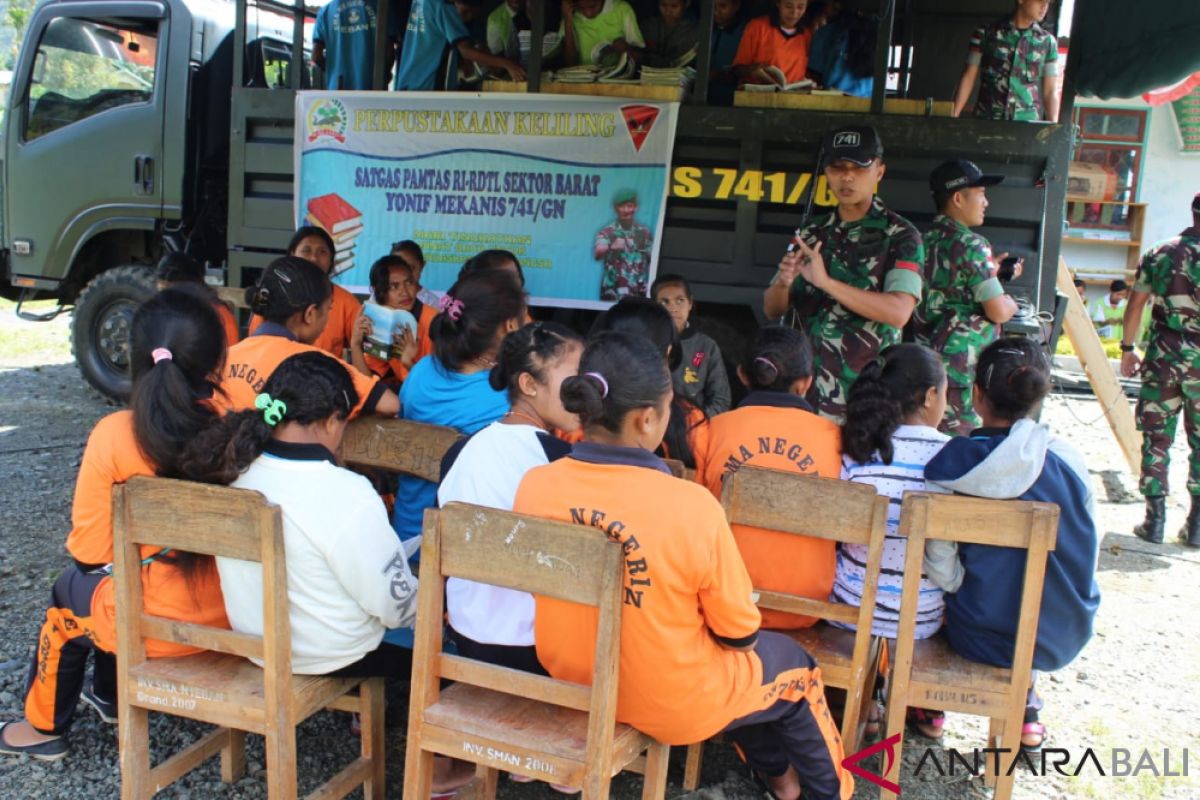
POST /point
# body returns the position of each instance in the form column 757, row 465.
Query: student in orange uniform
column 774, row 427
column 693, row 662
column 175, row 269
column 393, row 285
column 316, row 245
column 687, row 431
column 176, row 347
column 292, row 297
column 780, row 39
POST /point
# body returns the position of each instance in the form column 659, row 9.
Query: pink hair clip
column 452, row 306
column 161, row 354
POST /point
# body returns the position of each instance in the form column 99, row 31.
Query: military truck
column 137, row 127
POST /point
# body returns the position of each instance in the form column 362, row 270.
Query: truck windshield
column 83, row 67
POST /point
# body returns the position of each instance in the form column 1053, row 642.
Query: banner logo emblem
column 639, row 121
column 327, row 119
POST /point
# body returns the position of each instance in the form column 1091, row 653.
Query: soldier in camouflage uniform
column 964, row 302
column 624, row 247
column 853, row 277
column 1016, row 61
column 1170, row 373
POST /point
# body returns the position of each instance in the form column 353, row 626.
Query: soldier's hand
column 789, row 268
column 812, row 264
column 1130, row 364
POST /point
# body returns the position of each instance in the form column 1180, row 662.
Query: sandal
column 1033, row 735
column 928, row 723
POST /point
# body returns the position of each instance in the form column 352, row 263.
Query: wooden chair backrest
column 569, row 562
column 1001, row 523
column 823, row 508
column 207, row 520
column 399, row 445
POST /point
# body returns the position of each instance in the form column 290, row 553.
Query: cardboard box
column 1091, row 182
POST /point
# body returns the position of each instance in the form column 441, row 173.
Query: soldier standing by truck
column 1170, row 373
column 854, row 276
column 964, row 300
column 1016, row 61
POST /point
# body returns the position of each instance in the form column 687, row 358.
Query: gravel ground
column 1127, row 689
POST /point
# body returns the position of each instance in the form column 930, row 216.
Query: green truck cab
column 138, row 127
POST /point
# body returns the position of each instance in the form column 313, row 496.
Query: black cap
column 959, row 174
column 858, row 144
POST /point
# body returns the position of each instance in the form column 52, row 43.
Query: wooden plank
column 218, row 518
column 556, row 559
column 833, row 102
column 977, row 520
column 513, row 681
column 342, row 783
column 399, row 445
column 830, row 509
column 233, row 295
column 496, row 85
column 1082, row 333
column 634, row 91
column 202, row 636
column 188, row 759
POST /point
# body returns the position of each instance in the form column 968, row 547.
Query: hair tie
column 599, row 379
column 451, row 306
column 1017, row 371
column 161, row 354
column 766, row 362
column 273, row 410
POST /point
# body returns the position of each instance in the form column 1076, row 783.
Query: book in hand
column 779, row 83
column 334, row 214
column 386, row 325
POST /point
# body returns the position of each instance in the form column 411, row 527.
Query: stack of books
column 341, row 221
column 668, row 76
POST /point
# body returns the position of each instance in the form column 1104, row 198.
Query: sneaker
column 50, row 750
column 107, row 709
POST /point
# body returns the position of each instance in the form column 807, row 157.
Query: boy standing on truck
column 433, row 27
column 624, row 247
column 964, row 301
column 1016, row 60
column 854, row 276
column 344, row 43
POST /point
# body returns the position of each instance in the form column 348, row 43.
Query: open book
column 779, row 83
column 387, row 323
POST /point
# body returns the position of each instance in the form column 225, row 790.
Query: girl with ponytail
column 293, row 298
column 451, row 387
column 348, row 579
column 176, row 347
column 1012, row 456
column 892, row 414
column 693, row 661
column 774, row 427
column 487, row 623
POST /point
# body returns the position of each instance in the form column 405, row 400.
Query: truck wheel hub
column 113, row 334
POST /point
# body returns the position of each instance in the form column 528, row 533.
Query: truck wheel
column 101, row 324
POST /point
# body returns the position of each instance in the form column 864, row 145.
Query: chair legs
column 418, row 770
column 692, row 766
column 371, row 703
column 133, row 739
column 488, row 779
column 233, row 756
column 654, row 781
column 280, row 746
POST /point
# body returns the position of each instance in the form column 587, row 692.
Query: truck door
column 84, row 145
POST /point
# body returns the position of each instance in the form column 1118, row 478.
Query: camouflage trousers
column 1162, row 399
column 960, row 418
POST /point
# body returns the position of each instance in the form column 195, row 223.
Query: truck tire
column 101, row 323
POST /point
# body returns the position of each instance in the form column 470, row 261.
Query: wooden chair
column 822, row 508
column 398, row 445
column 222, row 687
column 927, row 673
column 505, row 719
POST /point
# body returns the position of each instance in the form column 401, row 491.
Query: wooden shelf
column 828, row 102
column 1076, row 199
column 1108, row 242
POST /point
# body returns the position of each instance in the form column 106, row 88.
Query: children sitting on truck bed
column 595, row 30
column 729, row 23
column 671, row 36
column 434, row 27
column 780, row 39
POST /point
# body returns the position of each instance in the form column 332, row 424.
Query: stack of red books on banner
column 342, row 221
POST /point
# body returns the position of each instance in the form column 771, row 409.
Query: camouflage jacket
column 958, row 281
column 1012, row 63
column 625, row 271
column 1171, row 272
column 882, row 252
